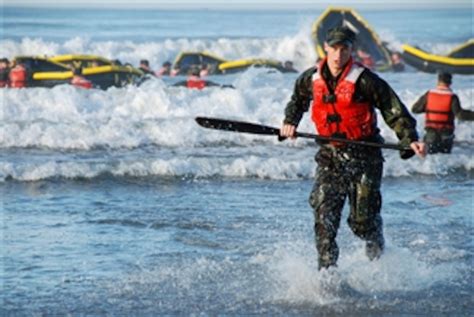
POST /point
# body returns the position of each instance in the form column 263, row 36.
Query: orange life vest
column 18, row 76
column 438, row 109
column 81, row 82
column 195, row 82
column 338, row 115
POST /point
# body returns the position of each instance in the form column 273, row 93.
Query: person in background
column 288, row 67
column 365, row 59
column 194, row 81
column 344, row 95
column 175, row 71
column 397, row 62
column 79, row 80
column 4, row 72
column 440, row 106
column 18, row 76
column 145, row 67
column 165, row 69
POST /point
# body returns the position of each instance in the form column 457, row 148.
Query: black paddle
column 246, row 127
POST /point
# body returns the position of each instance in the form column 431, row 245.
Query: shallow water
column 182, row 246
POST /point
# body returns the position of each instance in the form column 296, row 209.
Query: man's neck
column 443, row 86
column 335, row 71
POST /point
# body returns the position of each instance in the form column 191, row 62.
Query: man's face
column 338, row 55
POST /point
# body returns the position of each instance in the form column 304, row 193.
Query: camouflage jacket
column 369, row 87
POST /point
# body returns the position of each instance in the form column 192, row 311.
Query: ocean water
column 117, row 202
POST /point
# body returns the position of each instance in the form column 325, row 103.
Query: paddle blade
column 236, row 126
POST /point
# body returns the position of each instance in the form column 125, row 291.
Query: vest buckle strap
column 331, row 98
column 333, row 118
column 339, row 135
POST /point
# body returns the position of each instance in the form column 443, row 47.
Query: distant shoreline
column 461, row 5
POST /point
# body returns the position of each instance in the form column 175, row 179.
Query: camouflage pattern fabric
column 439, row 141
column 356, row 174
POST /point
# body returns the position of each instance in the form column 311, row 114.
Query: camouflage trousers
column 352, row 173
column 439, row 141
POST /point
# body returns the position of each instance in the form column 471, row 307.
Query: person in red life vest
column 18, row 76
column 194, row 81
column 440, row 106
column 365, row 59
column 165, row 70
column 4, row 72
column 344, row 97
column 80, row 81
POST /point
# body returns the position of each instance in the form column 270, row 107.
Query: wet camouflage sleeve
column 394, row 112
column 301, row 98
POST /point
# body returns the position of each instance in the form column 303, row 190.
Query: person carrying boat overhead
column 79, row 80
column 440, row 106
column 344, row 95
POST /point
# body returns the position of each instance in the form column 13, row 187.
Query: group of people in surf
column 17, row 75
column 366, row 59
column 441, row 104
column 12, row 74
column 195, row 78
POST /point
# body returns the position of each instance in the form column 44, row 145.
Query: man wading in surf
column 345, row 95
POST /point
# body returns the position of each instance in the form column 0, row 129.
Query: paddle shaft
column 246, row 127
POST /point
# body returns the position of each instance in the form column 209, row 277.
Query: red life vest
column 195, row 82
column 18, row 76
column 81, row 82
column 438, row 109
column 339, row 115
